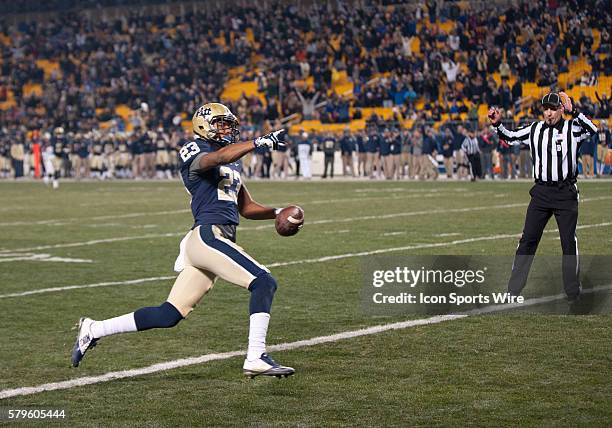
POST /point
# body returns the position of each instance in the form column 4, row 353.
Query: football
column 289, row 220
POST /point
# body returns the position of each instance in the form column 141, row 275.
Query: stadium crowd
column 163, row 66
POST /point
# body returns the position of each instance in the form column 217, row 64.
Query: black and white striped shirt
column 470, row 146
column 554, row 149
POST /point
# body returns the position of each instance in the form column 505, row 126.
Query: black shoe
column 265, row 366
column 580, row 304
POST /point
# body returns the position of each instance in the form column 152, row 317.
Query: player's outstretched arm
column 225, row 155
column 252, row 210
column 233, row 152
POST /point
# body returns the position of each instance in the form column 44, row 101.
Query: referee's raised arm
column 510, row 136
column 582, row 127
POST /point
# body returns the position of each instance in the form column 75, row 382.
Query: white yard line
column 351, row 334
column 365, row 198
column 408, row 214
column 419, row 246
column 334, row 232
column 88, row 219
column 97, row 241
column 76, row 287
column 62, row 222
column 185, row 362
column 44, row 258
column 304, row 261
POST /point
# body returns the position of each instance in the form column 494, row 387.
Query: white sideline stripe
column 12, row 257
column 268, row 226
column 76, row 287
column 306, row 261
column 45, row 258
column 101, row 217
column 531, row 302
column 366, row 198
column 419, row 246
column 433, row 193
column 16, row 254
column 406, row 190
column 97, row 241
column 435, row 211
column 409, row 214
column 185, row 362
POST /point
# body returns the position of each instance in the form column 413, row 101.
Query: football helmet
column 212, row 118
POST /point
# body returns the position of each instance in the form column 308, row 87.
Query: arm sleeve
column 517, row 136
column 582, row 128
column 190, row 155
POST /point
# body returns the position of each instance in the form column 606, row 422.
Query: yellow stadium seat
column 234, row 90
column 408, row 123
column 249, row 35
column 344, row 89
column 220, row 40
column 32, row 88
column 318, row 127
column 497, row 78
column 384, row 112
column 415, row 45
column 49, row 67
column 236, row 72
column 123, row 111
column 5, row 105
column 596, row 39
column 447, row 26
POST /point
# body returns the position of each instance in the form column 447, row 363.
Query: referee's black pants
column 562, row 202
column 476, row 165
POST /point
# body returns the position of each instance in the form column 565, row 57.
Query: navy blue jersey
column 385, row 146
column 373, row 143
column 396, row 145
column 361, row 148
column 347, row 144
column 214, row 193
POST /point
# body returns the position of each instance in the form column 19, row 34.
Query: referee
column 471, row 149
column 554, row 144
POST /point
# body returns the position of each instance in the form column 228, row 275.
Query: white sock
column 122, row 324
column 258, row 329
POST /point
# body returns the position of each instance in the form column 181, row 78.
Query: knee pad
column 162, row 316
column 262, row 292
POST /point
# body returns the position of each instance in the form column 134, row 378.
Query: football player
column 210, row 170
column 49, row 164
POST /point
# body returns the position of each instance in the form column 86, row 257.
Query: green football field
column 116, row 242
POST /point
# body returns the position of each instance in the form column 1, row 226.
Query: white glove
column 271, row 140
